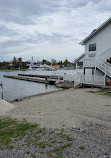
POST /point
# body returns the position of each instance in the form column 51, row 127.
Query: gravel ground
column 90, row 141
column 66, row 108
column 82, row 116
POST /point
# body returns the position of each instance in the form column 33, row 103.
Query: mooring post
column 1, row 90
column 46, row 79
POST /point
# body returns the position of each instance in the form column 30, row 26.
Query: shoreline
column 70, row 123
column 31, row 96
column 64, row 108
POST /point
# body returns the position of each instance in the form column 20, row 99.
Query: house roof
column 95, row 31
column 80, row 57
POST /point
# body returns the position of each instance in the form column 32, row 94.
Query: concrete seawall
column 5, row 107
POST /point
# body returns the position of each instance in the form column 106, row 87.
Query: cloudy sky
column 48, row 28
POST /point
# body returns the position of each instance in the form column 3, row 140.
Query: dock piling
column 1, row 90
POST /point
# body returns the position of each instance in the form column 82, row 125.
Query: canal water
column 13, row 89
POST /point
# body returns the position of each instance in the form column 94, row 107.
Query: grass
column 82, row 148
column 27, row 152
column 59, row 150
column 41, row 145
column 55, row 143
column 11, row 128
column 103, row 91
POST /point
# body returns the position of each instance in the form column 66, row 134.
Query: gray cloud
column 5, row 31
column 20, row 11
column 37, row 38
column 25, row 24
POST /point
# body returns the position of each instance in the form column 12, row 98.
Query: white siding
column 102, row 40
column 81, row 59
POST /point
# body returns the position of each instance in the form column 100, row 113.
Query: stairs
column 101, row 64
column 78, row 81
column 106, row 55
column 104, row 67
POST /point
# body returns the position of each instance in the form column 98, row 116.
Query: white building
column 79, row 61
column 97, row 60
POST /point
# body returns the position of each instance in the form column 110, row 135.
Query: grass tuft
column 11, row 128
column 55, row 143
column 103, row 91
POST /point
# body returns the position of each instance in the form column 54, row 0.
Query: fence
column 69, row 77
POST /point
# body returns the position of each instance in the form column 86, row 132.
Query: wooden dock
column 33, row 79
column 43, row 76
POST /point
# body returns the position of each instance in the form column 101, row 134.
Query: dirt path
column 68, row 108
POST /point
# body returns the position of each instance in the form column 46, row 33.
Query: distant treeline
column 18, row 63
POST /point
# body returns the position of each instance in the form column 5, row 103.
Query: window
column 92, row 47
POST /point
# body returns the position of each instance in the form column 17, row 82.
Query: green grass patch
column 27, row 152
column 11, row 128
column 82, row 148
column 58, row 151
column 55, row 143
column 41, row 145
column 103, row 91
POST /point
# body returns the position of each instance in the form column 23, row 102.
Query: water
column 13, row 88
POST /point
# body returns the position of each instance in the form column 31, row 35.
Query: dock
column 43, row 76
column 39, row 79
column 58, row 81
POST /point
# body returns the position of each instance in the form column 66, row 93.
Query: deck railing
column 98, row 63
column 101, row 64
column 69, row 77
column 78, row 80
column 89, row 79
column 93, row 79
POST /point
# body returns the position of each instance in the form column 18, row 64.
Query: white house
column 97, row 59
column 79, row 61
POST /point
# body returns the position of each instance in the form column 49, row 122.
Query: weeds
column 58, row 150
column 31, row 135
column 11, row 128
column 82, row 148
column 103, row 91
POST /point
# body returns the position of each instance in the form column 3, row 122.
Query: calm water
column 17, row 88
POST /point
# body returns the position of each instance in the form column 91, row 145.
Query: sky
column 47, row 29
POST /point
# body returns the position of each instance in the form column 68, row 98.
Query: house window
column 92, row 47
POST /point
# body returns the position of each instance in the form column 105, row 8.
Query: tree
column 19, row 60
column 43, row 61
column 18, row 63
column 24, row 65
column 60, row 63
column 14, row 61
column 53, row 62
column 66, row 62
